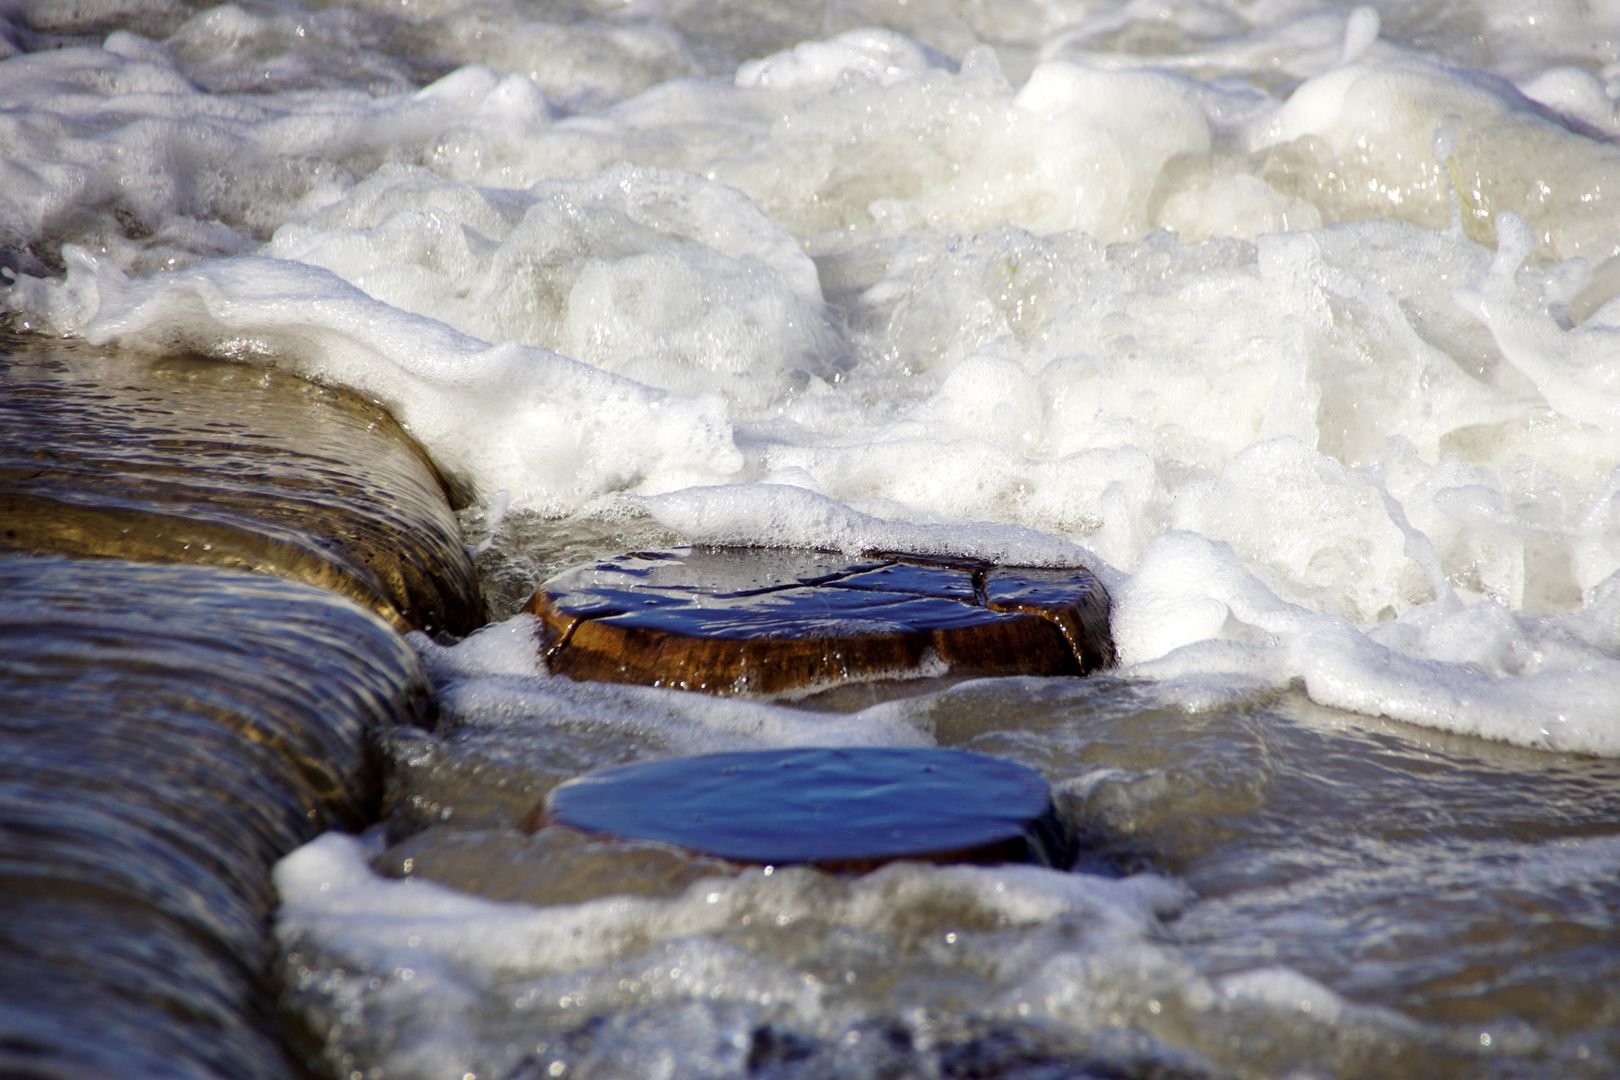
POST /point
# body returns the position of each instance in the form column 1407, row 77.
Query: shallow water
column 1265, row 886
column 1296, row 322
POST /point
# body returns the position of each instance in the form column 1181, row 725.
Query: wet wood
column 189, row 460
column 848, row 810
column 170, row 726
column 771, row 621
column 166, row 733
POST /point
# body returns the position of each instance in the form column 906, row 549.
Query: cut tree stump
column 772, row 621
column 848, row 809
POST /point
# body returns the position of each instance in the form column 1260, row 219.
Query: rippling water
column 1297, row 322
column 183, row 459
column 162, row 745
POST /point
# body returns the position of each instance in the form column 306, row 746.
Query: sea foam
column 1305, row 340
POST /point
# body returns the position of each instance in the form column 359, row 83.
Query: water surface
column 1295, row 322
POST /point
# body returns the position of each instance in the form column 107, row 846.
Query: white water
column 1305, row 335
column 1300, row 326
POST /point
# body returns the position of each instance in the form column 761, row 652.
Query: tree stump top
column 770, row 621
column 839, row 809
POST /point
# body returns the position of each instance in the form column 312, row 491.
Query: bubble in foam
column 883, row 56
column 1357, row 140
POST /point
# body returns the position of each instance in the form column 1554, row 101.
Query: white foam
column 1287, row 990
column 627, row 951
column 879, row 290
column 508, row 647
column 777, row 515
column 1475, row 668
column 675, row 280
column 882, row 56
column 1362, row 134
column 495, row 678
column 526, row 709
column 1575, row 93
column 540, row 426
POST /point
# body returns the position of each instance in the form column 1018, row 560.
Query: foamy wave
column 1344, row 313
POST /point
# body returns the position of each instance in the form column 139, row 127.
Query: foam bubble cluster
column 1305, row 334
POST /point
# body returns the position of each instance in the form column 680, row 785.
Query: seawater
column 1297, row 322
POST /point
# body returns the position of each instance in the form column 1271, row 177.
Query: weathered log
column 189, row 460
column 769, row 621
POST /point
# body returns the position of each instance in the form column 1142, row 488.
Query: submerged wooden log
column 171, row 726
column 839, row 809
column 166, row 733
column 188, row 460
column 770, row 621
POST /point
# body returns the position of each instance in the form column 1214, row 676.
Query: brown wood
column 187, row 460
column 770, row 621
